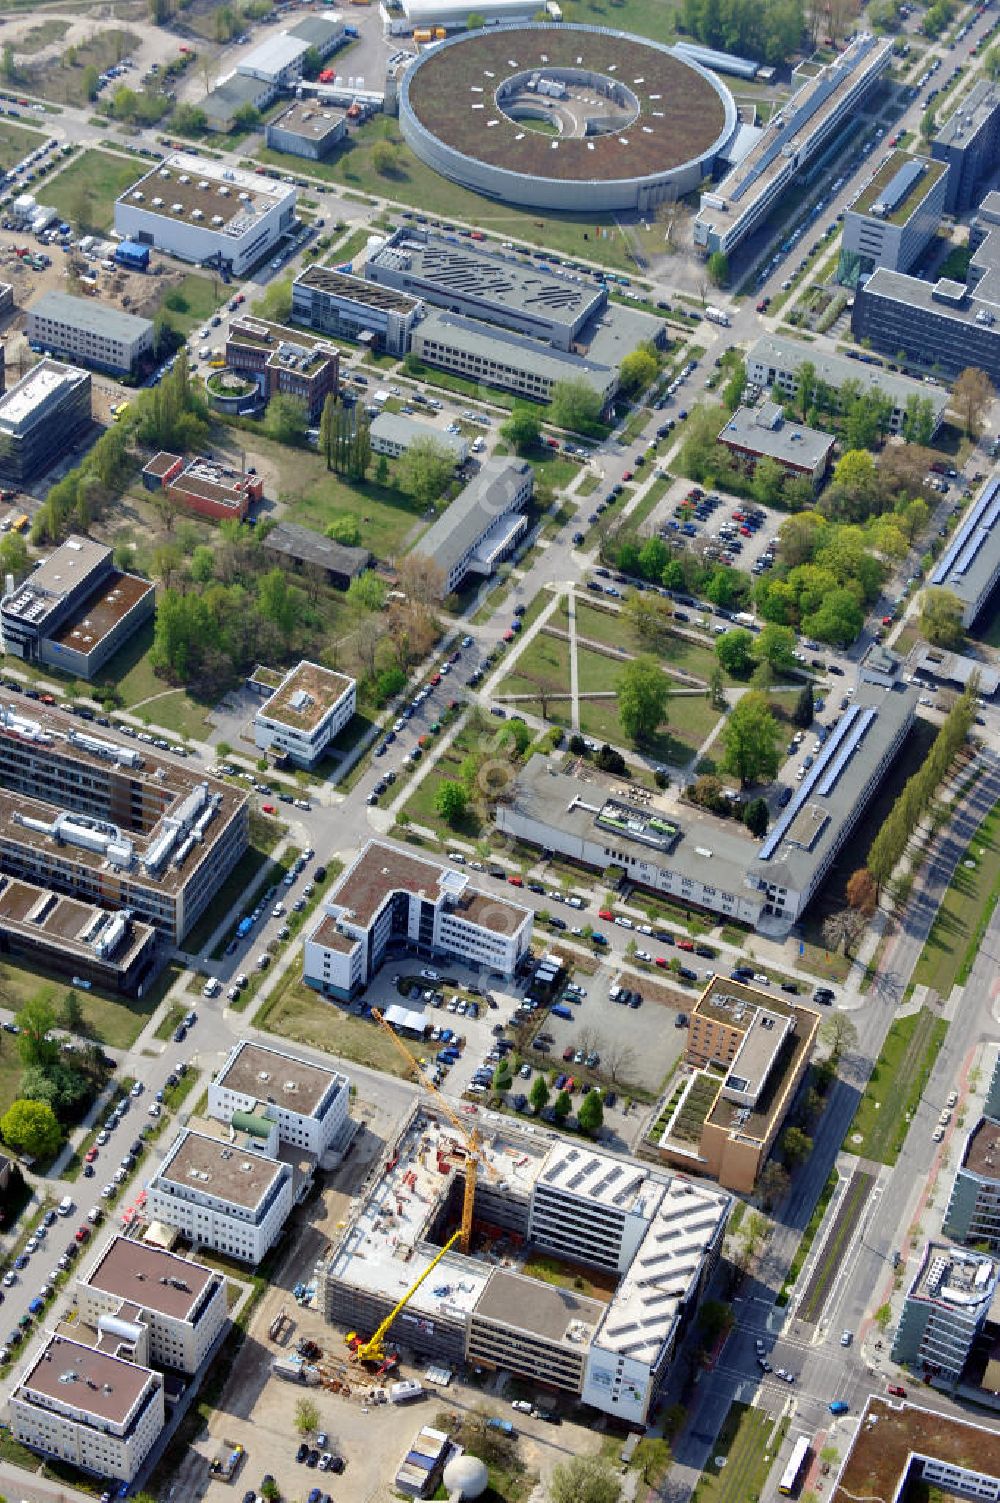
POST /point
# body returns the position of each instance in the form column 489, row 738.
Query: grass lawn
column 741, row 1457
column 193, row 301
column 831, row 1257
column 390, row 521
column 114, row 1020
column 675, row 652
column 295, row 1011
column 10, row 1072
column 420, row 805
column 131, row 672
column 563, row 1275
column 964, row 912
column 897, row 1081
column 808, row 1236
column 595, row 672
column 417, row 185
column 689, row 720
column 545, row 661
column 638, row 515
column 15, row 143
column 85, row 191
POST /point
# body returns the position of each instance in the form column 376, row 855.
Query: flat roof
column 43, row 591
column 955, row 668
column 551, row 1311
column 316, row 31
column 291, row 348
column 222, row 102
column 681, row 110
column 90, row 316
column 307, row 694
column 474, row 511
column 76, row 927
column 150, row 1276
column 754, row 1123
column 788, row 443
column 161, row 463
column 101, row 612
column 273, row 1075
column 950, row 1275
column 598, row 1178
column 886, row 185
column 448, row 267
column 31, row 401
column 165, row 802
column 397, row 428
column 974, row 110
column 664, row 1274
column 504, row 346
column 353, row 289
column 306, row 546
column 982, row 1149
column 86, row 1379
column 234, row 197
column 784, row 353
column 308, row 120
column 967, row 565
column 382, row 869
column 274, row 54
column 893, row 1432
column 227, row 1171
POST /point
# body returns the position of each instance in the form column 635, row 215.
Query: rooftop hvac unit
column 244, row 197
column 217, row 219
column 184, row 178
column 157, row 203
column 197, row 214
column 224, row 192
column 203, row 182
column 138, row 195
column 177, row 208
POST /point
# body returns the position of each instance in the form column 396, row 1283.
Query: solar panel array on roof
column 981, row 518
column 844, row 754
column 840, row 736
column 898, row 187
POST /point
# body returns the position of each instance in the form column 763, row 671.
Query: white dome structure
column 466, row 1477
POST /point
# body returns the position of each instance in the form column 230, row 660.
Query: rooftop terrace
column 307, row 694
column 891, row 1433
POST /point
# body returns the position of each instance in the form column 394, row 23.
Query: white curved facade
column 574, row 194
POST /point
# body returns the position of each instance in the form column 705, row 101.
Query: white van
column 65, row 1205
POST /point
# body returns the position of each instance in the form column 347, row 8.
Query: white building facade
column 308, row 711
column 308, row 1102
column 222, row 1196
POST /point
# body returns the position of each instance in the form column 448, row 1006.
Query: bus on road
column 791, row 1477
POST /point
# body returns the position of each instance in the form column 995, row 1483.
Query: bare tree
column 843, row 929
column 619, row 1062
column 838, row 1033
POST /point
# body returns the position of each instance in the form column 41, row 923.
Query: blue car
column 37, row 1305
column 21, row 1261
column 561, row 1011
column 839, row 1407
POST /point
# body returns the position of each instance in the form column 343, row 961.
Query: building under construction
column 648, row 1243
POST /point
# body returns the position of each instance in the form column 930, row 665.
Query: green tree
column 451, row 801
column 856, row 475
column 837, row 1034
column 591, row 1113
column 575, row 405
column 734, row 649
column 802, row 715
column 883, row 1315
column 30, row 1127
column 717, row 267
column 583, row 1479
column 562, row 1106
column 775, row 645
column 306, row 1416
column 715, row 1319
column 425, row 470
column 795, row 1145
column 475, row 21
column 91, row 82
column 36, row 1019
column 716, row 689
column 385, row 158
column 8, row 66
column 755, row 817
column 368, row 591
column 522, row 429
column 638, row 370
column 838, row 619
column 643, row 693
column 72, row 1015
column 191, row 120
column 941, row 618
column 768, row 482
column 270, row 1491
column 344, row 528
column 202, row 565
column 287, row 418
column 750, row 740
column 539, row 1094
column 918, row 417
column 247, row 117
column 312, row 62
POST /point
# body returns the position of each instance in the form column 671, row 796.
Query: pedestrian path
column 574, row 670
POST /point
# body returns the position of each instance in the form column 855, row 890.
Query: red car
column 516, row 881
column 886, row 620
column 508, row 636
column 745, row 532
column 897, row 1389
column 627, row 475
column 269, row 808
column 662, row 962
column 82, row 1233
column 605, row 913
column 568, row 1052
column 90, row 1155
column 435, row 679
column 685, row 944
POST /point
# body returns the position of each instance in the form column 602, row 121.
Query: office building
column 334, row 302
column 901, row 1451
column 668, row 845
column 323, row 34
column 89, row 333
column 483, row 524
column 755, row 433
column 41, row 418
column 305, row 129
column 221, row 1194
column 968, row 141
column 277, row 63
column 822, row 107
column 392, row 433
column 307, row 711
column 232, row 95
column 954, row 668
column 895, row 216
column 748, row 1052
column 180, row 1305
column 773, row 363
column 88, row 1406
column 114, row 951
column 970, row 565
column 654, row 1241
column 944, row 1311
column 207, row 213
column 284, row 360
column 75, row 610
column 973, row 1213
column 203, row 486
column 113, row 823
column 391, row 901
column 302, row 548
column 510, row 362
column 308, row 1102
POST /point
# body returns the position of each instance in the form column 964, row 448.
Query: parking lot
column 683, row 516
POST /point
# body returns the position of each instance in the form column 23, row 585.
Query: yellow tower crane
column 469, row 1135
column 373, row 1350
